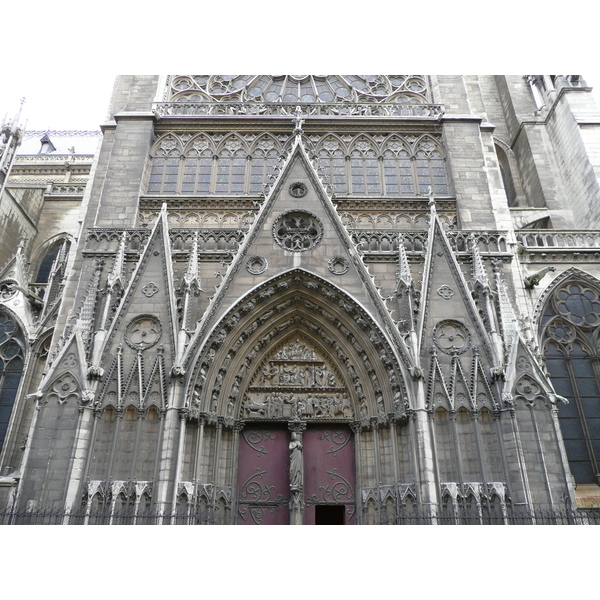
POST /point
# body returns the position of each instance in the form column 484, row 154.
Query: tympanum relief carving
column 296, row 383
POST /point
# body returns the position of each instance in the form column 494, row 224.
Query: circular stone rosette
column 451, row 337
column 256, row 265
column 338, row 265
column 298, row 189
column 297, row 230
column 143, row 332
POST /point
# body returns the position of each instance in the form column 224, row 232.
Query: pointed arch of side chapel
column 569, row 337
column 296, row 304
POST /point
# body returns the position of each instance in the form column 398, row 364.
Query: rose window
column 297, row 231
column 579, row 305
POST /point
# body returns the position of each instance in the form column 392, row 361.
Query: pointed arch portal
column 293, row 366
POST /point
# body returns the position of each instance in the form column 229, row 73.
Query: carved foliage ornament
column 298, row 189
column 297, row 230
column 338, row 265
column 256, row 265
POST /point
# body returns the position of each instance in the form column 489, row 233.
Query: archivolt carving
column 360, row 376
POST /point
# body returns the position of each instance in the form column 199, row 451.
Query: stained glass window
column 12, row 354
column 571, row 341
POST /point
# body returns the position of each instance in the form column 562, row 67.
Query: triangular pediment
column 146, row 316
column 449, row 317
column 297, row 228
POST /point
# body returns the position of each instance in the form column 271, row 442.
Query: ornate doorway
column 263, row 481
column 298, row 476
column 296, row 451
column 329, row 476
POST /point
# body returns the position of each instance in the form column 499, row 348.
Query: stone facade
column 305, row 300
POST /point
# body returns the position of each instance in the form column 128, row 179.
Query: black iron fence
column 539, row 516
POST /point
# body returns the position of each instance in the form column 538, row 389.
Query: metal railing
column 537, row 516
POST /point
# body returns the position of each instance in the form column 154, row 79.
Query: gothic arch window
column 12, row 357
column 231, row 168
column 198, row 167
column 397, row 169
column 265, row 158
column 164, row 169
column 571, row 338
column 48, row 259
column 364, row 169
column 332, row 164
column 430, row 166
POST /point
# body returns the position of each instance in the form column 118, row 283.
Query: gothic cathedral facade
column 305, row 300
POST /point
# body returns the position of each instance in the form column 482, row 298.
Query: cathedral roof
column 84, row 142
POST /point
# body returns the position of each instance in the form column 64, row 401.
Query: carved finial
column 478, row 270
column 116, row 274
column 191, row 273
column 404, row 274
column 533, row 280
column 22, row 242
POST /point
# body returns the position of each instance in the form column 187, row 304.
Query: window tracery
column 300, row 88
column 12, row 356
column 364, row 169
column 571, row 342
column 379, row 165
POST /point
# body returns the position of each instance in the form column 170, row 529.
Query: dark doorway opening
column 329, row 514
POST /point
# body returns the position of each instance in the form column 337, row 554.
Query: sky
column 64, row 61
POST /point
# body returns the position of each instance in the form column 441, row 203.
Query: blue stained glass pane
column 571, row 429
column 594, row 429
column 582, row 367
column 587, row 387
column 5, row 413
column 582, row 471
column 577, row 450
column 568, row 410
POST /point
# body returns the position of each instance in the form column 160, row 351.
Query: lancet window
column 571, row 337
column 12, row 356
column 164, row 173
column 364, row 169
column 231, row 169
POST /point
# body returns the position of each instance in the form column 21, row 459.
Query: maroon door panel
column 329, row 475
column 263, row 477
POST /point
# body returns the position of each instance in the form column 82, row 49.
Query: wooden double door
column 328, row 481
